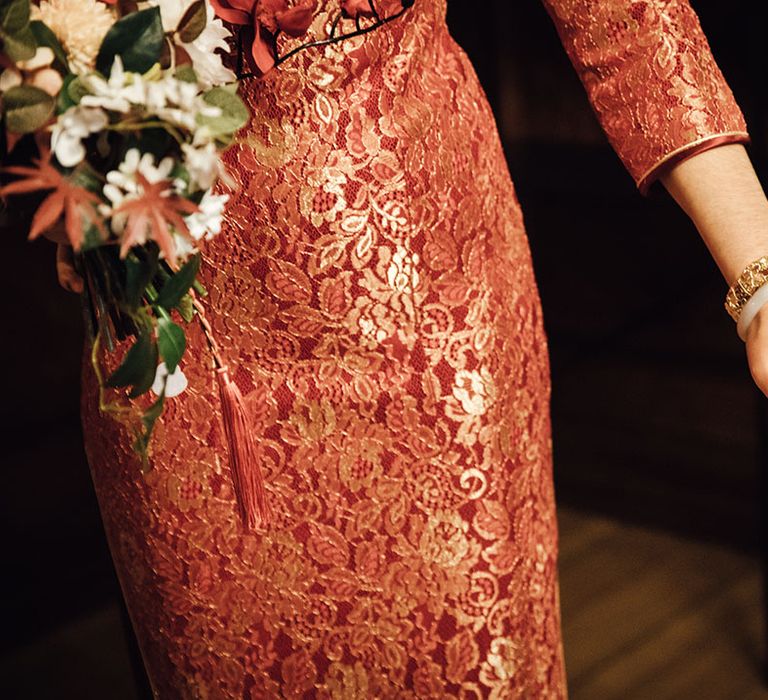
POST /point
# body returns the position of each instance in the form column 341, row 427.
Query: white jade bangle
column 750, row 309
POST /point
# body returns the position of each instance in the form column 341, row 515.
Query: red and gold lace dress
column 374, row 296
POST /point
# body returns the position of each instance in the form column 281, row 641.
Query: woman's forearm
column 719, row 190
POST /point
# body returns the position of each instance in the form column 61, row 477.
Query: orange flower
column 68, row 199
column 151, row 212
column 266, row 19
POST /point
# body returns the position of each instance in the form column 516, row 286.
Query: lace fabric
column 374, row 295
column 651, row 79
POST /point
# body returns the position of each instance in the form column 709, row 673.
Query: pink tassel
column 247, row 478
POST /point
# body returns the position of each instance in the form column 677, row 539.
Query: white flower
column 34, row 71
column 80, row 26
column 71, row 128
column 122, row 183
column 203, row 164
column 43, row 57
column 9, row 78
column 206, row 223
column 183, row 247
column 167, row 98
column 117, row 93
column 175, row 382
column 177, row 101
column 206, row 62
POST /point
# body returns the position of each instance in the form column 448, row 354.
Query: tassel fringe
column 247, row 479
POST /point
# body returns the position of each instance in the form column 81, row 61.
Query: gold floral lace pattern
column 374, row 290
column 374, row 296
column 651, row 78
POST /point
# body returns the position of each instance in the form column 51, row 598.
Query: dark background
column 655, row 417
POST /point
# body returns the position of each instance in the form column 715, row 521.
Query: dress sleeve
column 651, row 79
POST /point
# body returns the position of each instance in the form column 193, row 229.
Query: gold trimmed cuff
column 681, row 153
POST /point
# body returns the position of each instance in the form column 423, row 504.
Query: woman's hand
column 721, row 193
column 757, row 348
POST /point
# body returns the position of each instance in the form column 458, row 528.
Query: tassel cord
column 247, row 478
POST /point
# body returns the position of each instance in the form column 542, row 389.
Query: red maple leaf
column 68, row 199
column 151, row 212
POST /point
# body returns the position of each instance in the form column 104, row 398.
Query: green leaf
column 18, row 39
column 139, row 274
column 20, row 46
column 86, row 177
column 193, row 22
column 186, row 73
column 200, row 288
column 14, row 15
column 92, row 238
column 148, row 379
column 64, row 101
column 234, row 114
column 27, row 108
column 136, row 364
column 170, row 341
column 186, row 308
column 137, row 38
column 148, row 419
column 76, row 90
column 178, row 285
column 45, row 37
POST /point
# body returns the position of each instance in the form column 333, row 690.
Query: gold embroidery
column 374, row 293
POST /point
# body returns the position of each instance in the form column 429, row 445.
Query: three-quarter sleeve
column 651, row 79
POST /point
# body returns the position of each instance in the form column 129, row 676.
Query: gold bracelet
column 755, row 275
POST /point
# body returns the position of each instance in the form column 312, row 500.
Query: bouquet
column 130, row 106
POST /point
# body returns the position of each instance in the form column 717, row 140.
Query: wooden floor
column 650, row 616
column 646, row 616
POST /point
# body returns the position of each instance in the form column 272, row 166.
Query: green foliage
column 148, row 419
column 156, row 141
column 170, row 341
column 186, row 308
column 192, row 22
column 45, row 37
column 91, row 239
column 137, row 38
column 234, row 114
column 14, row 16
column 64, row 101
column 27, row 108
column 85, row 176
column 139, row 365
column 148, row 378
column 186, row 73
column 139, row 274
column 16, row 35
column 178, row 285
column 70, row 94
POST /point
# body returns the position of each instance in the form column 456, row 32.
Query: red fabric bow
column 266, row 18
